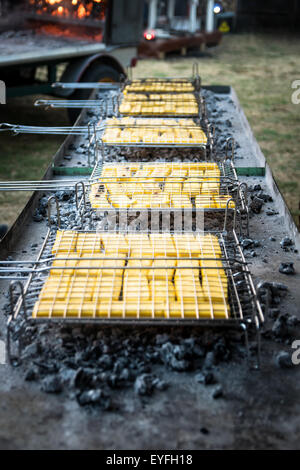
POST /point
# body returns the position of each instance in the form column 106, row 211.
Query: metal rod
column 43, row 185
column 88, row 85
column 53, row 198
column 228, row 141
column 83, row 194
column 19, row 129
column 56, row 104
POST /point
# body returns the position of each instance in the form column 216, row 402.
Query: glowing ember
column 76, row 9
column 81, row 11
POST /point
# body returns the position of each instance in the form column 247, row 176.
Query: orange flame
column 82, row 11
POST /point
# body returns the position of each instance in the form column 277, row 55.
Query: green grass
column 261, row 68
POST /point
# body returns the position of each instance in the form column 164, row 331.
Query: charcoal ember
column 17, row 330
column 119, row 365
column 276, row 288
column 193, row 348
column 210, row 360
column 94, row 397
column 144, row 384
column 206, row 378
column 104, row 377
column 204, row 431
column 32, row 350
column 30, row 331
column 93, row 352
column 247, row 243
column 198, row 351
column 220, row 351
column 160, row 385
column 51, row 384
column 276, row 300
column 150, row 356
column 106, row 348
column 287, row 268
column 31, row 374
column 180, row 351
column 114, row 381
column 271, row 212
column 52, row 220
column 143, row 368
column 43, row 205
column 161, row 339
column 293, row 321
column 65, row 330
column 105, row 362
column 80, row 356
column 286, row 242
column 274, row 313
column 50, row 367
column 126, row 375
column 218, row 392
column 85, row 378
column 37, row 216
column 67, row 376
column 6, row 309
column 70, row 363
column 256, row 205
column 66, row 339
column 77, row 333
column 265, row 197
column 70, row 348
column 168, row 357
column 284, row 360
column 281, row 328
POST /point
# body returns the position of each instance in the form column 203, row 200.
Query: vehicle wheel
column 97, row 72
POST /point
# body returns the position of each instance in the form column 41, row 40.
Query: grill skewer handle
column 88, row 85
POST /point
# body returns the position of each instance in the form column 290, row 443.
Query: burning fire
column 79, row 9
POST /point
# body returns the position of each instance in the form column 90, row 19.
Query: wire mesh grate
column 151, row 132
column 163, row 104
column 166, row 185
column 127, row 276
column 162, row 85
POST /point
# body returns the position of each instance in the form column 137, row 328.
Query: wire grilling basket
column 137, row 277
column 129, row 274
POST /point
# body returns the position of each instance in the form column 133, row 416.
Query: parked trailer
column 179, row 27
column 91, row 43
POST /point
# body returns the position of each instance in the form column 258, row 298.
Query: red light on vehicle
column 133, row 62
column 149, row 35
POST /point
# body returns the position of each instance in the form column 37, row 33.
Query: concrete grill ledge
column 250, row 409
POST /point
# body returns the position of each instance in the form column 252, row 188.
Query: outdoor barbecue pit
column 34, row 19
